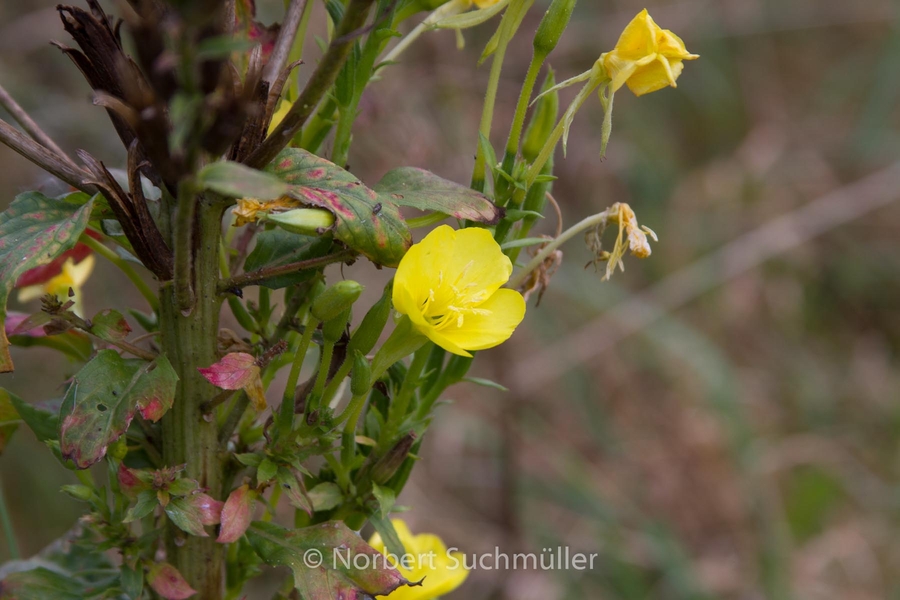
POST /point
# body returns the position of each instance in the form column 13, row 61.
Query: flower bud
column 305, row 221
column 543, row 120
column 360, row 375
column 552, row 26
column 388, row 464
column 79, row 492
column 335, row 300
column 366, row 335
column 333, row 330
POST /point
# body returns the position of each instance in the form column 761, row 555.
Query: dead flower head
column 631, row 236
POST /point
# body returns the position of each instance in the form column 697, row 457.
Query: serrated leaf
column 336, row 576
column 236, row 514
column 326, row 496
column 279, row 247
column 168, row 582
column 101, row 401
column 34, row 230
column 240, row 181
column 421, row 189
column 365, row 222
column 110, row 325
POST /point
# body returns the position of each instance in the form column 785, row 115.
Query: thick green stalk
column 515, row 130
column 189, row 342
column 9, row 533
column 400, row 405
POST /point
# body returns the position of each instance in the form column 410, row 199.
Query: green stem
column 189, row 341
column 400, row 405
column 583, row 225
column 518, row 123
column 8, row 531
column 123, row 266
column 286, row 413
column 446, row 10
column 512, row 18
column 335, row 383
column 255, row 277
column 320, row 82
column 184, row 264
column 322, row 375
column 550, row 145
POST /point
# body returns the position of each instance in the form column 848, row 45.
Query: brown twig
column 44, row 158
column 284, row 42
column 254, row 277
column 30, row 127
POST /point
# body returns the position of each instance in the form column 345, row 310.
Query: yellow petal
column 654, row 76
column 482, row 331
column 30, row 292
column 638, row 39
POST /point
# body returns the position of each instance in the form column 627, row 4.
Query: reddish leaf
column 28, row 325
column 168, row 582
column 129, row 482
column 421, row 189
column 102, row 399
column 236, row 514
column 45, row 273
column 238, row 370
column 34, row 230
column 110, row 325
column 210, row 509
column 364, row 221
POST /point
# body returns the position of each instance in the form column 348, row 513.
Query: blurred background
column 719, row 421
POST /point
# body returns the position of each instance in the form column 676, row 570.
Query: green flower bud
column 305, row 221
column 366, row 335
column 335, row 300
column 79, row 492
column 360, row 375
column 385, row 467
column 333, row 330
column 118, row 449
column 543, row 120
column 555, row 21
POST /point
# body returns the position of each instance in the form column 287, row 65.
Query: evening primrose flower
column 72, row 276
column 646, row 58
column 440, row 571
column 449, row 286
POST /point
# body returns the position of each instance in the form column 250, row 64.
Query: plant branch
column 44, row 158
column 320, row 82
column 30, row 127
column 285, row 41
column 254, row 277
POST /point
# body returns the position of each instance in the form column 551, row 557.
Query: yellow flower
column 73, row 275
column 278, row 116
column 428, row 558
column 248, row 209
column 484, row 3
column 646, row 57
column 449, row 286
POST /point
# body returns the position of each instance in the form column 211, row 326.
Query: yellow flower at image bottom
column 449, row 286
column 440, row 572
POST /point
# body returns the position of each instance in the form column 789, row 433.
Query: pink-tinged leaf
column 101, row 401
column 364, row 220
column 210, row 509
column 421, row 189
column 347, row 577
column 168, row 582
column 236, row 514
column 34, row 230
column 233, row 372
column 129, row 482
column 45, row 273
column 110, row 325
column 186, row 514
column 28, row 325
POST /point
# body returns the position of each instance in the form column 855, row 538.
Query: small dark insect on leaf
column 376, row 209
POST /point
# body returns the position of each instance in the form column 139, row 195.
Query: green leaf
column 186, row 516
column 278, row 247
column 326, row 496
column 266, row 471
column 485, row 383
column 42, row 584
column 421, row 189
column 386, row 498
column 34, row 230
column 146, row 503
column 132, row 581
column 9, row 418
column 340, row 550
column 364, row 221
column 102, row 400
column 388, row 534
column 239, row 181
column 42, row 418
column 110, row 325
